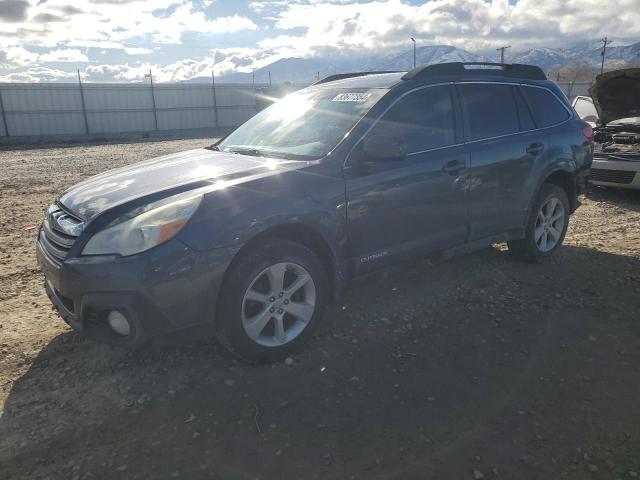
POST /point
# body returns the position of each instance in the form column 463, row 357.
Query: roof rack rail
column 516, row 70
column 341, row 76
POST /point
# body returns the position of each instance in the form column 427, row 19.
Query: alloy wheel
column 279, row 304
column 549, row 224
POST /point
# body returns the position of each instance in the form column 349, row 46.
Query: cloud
column 184, row 18
column 48, row 17
column 184, row 70
column 38, row 74
column 13, row 10
column 175, row 72
column 470, row 24
column 64, row 55
column 57, row 23
column 11, row 57
column 137, row 50
column 70, row 10
column 76, row 31
column 111, row 73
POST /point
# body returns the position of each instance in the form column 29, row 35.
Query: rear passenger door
column 503, row 145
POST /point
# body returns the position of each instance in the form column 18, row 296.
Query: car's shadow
column 428, row 370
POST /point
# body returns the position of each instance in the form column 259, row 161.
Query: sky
column 121, row 40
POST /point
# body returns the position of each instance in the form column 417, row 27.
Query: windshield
column 306, row 124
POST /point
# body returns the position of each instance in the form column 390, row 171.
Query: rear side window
column 423, row 119
column 546, row 108
column 490, row 109
column 526, row 121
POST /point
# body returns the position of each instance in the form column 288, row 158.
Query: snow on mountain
column 306, row 70
column 589, row 52
column 297, row 70
column 547, row 58
column 428, row 55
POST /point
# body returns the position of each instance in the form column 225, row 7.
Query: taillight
column 588, row 133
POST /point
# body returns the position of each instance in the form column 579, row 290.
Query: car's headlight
column 144, row 231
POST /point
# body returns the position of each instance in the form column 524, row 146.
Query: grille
column 58, row 233
column 612, row 176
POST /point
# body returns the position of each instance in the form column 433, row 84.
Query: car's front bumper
column 611, row 171
column 168, row 288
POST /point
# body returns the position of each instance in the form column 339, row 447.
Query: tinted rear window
column 546, row 108
column 490, row 109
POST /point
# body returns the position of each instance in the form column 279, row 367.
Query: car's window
column 306, row 124
column 422, row 119
column 490, row 109
column 547, row 109
column 526, row 120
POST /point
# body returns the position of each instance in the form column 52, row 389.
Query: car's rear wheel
column 546, row 226
column 272, row 300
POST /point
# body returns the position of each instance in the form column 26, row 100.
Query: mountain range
column 586, row 55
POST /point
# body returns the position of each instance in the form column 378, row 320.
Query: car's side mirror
column 383, row 147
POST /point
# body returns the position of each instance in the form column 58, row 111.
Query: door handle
column 453, row 167
column 535, row 148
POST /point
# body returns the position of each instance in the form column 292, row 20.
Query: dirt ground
column 477, row 367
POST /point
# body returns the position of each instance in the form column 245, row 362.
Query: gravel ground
column 478, row 367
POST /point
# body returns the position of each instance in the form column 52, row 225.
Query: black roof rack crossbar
column 341, row 76
column 515, row 70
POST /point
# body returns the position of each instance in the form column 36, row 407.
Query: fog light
column 119, row 323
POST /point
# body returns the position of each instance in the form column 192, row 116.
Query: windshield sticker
column 351, row 97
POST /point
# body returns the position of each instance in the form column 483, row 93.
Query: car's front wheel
column 546, row 226
column 272, row 299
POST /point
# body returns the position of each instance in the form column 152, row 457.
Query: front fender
column 236, row 214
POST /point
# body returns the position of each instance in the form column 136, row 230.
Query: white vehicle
column 614, row 111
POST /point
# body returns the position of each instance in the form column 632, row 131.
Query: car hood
column 616, row 94
column 164, row 176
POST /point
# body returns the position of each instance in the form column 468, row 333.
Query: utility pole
column 269, row 77
column 414, row 51
column 501, row 50
column 84, row 107
column 153, row 99
column 215, row 100
column 4, row 117
column 605, row 41
column 253, row 76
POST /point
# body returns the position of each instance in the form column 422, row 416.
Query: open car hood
column 616, row 94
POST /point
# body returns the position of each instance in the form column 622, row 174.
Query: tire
column 543, row 234
column 248, row 297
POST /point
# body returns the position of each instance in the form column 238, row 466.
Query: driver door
column 404, row 207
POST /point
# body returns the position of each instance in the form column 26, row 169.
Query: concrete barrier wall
column 68, row 109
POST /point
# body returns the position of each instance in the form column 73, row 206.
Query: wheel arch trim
column 311, row 237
